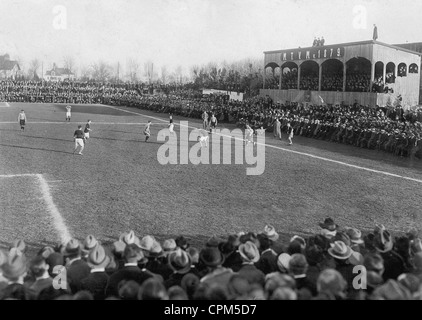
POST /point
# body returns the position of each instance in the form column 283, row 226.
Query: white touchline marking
column 58, row 222
column 296, row 152
column 57, row 218
column 76, row 123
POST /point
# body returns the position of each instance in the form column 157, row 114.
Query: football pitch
column 48, row 195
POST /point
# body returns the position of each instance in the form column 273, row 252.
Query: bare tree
column 164, row 74
column 149, row 70
column 178, row 72
column 132, row 66
column 101, row 71
column 85, row 72
column 34, row 65
column 69, row 64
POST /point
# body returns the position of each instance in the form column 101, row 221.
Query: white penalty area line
column 58, row 221
column 296, row 152
column 4, row 105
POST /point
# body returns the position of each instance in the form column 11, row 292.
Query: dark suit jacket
column 76, row 272
column 126, row 273
column 267, row 262
column 37, row 286
column 96, row 283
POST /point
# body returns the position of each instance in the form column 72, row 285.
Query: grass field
column 47, row 194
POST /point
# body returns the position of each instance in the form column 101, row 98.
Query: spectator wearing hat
column 76, row 268
column 194, row 255
column 157, row 261
column 19, row 244
column 232, row 258
column 131, row 271
column 213, row 260
column 267, row 262
column 314, row 256
column 169, row 245
column 96, row 281
column 331, row 286
column 328, row 228
column 355, row 236
column 180, row 262
column 250, row 255
column 270, row 232
column 341, row 254
column 41, row 279
column 283, row 263
column 298, row 267
column 54, row 260
column 89, row 243
column 182, row 242
column 393, row 262
column 14, row 271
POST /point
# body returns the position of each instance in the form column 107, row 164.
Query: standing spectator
column 42, row 280
column 76, row 268
column 14, row 271
column 133, row 256
column 96, row 281
column 250, row 255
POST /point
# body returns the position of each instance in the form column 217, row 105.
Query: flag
column 375, row 35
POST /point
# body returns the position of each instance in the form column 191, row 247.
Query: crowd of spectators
column 332, row 82
column 239, row 266
column 358, row 82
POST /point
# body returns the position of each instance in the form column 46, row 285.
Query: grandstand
column 370, row 73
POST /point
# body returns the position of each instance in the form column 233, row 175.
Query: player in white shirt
column 22, row 119
column 68, row 114
column 171, row 125
column 203, row 138
column 249, row 135
column 147, row 131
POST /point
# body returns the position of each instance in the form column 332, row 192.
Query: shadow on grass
column 47, row 138
column 352, row 151
column 41, row 149
column 123, row 140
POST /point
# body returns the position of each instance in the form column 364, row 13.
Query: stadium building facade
column 367, row 72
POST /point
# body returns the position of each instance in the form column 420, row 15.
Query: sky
column 183, row 33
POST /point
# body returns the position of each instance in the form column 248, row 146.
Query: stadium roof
column 349, row 44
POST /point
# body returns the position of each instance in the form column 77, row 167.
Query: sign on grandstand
column 312, row 53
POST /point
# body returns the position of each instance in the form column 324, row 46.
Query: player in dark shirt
column 87, row 130
column 79, row 137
